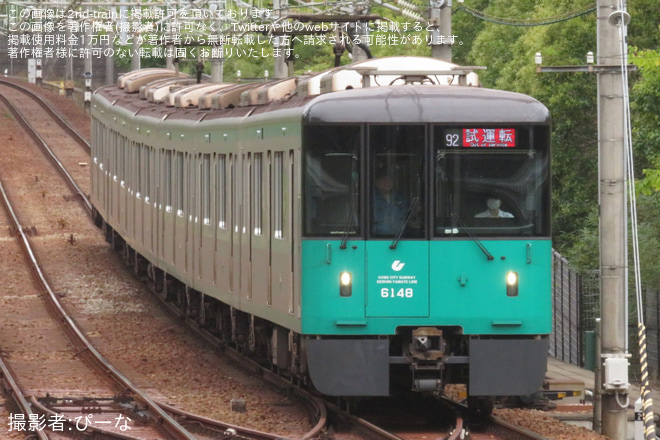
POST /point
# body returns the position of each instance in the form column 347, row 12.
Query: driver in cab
column 494, row 211
column 389, row 206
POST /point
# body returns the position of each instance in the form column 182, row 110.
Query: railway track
column 141, row 406
column 78, row 346
column 434, row 418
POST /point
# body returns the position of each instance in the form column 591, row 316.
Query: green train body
column 267, row 222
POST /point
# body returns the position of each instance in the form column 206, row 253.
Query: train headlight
column 512, row 283
column 345, row 284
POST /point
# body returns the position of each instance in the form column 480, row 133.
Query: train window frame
column 168, row 183
column 124, row 160
column 397, row 159
column 246, row 169
column 221, row 188
column 137, row 173
column 205, row 188
column 277, row 194
column 150, row 178
column 178, row 175
column 257, row 194
column 330, row 191
column 459, row 200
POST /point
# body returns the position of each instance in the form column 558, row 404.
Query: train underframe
column 419, row 359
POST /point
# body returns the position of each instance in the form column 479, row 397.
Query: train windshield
column 491, row 181
column 332, row 180
column 413, row 182
column 396, row 190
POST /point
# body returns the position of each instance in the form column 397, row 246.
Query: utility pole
column 611, row 25
column 440, row 31
column 612, row 379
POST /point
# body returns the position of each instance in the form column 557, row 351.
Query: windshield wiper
column 489, row 256
column 409, row 214
column 349, row 221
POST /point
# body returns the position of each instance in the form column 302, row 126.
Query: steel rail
column 510, row 431
column 170, row 426
column 41, row 143
column 11, row 384
column 97, row 432
column 51, row 111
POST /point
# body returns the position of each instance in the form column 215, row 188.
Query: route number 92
column 387, row 292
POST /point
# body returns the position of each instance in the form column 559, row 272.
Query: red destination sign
column 489, row 137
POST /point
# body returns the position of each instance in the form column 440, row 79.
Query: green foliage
column 508, row 52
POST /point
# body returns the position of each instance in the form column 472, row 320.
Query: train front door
column 398, row 247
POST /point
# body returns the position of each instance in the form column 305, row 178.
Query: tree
column 508, row 52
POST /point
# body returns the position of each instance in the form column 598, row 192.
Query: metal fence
column 652, row 321
column 566, row 339
column 576, row 305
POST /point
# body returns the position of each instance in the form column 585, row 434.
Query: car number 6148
column 387, row 292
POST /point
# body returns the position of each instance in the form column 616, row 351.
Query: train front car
column 426, row 251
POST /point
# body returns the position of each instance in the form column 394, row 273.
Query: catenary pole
column 613, row 221
column 440, row 31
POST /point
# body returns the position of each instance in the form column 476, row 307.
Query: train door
column 223, row 230
column 205, row 229
column 260, row 229
column 246, row 227
column 133, row 189
column 169, row 211
column 192, row 214
column 180, row 218
column 118, row 182
column 159, row 203
column 282, row 295
column 236, row 222
column 147, row 198
column 398, row 250
column 142, row 171
column 102, row 173
column 113, row 179
column 124, row 170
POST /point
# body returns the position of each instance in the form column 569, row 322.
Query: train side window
column 190, row 177
column 137, row 171
column 168, row 182
column 178, row 182
column 277, row 194
column 121, row 175
column 246, row 160
column 148, row 178
column 206, row 189
column 257, row 193
column 221, row 188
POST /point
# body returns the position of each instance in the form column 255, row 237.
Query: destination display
column 480, row 137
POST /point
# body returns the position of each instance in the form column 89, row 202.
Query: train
column 377, row 228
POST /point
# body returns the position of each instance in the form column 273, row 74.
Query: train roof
column 419, row 103
column 393, row 89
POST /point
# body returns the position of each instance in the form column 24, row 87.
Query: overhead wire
column 526, row 22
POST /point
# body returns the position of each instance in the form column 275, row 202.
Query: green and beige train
column 373, row 229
